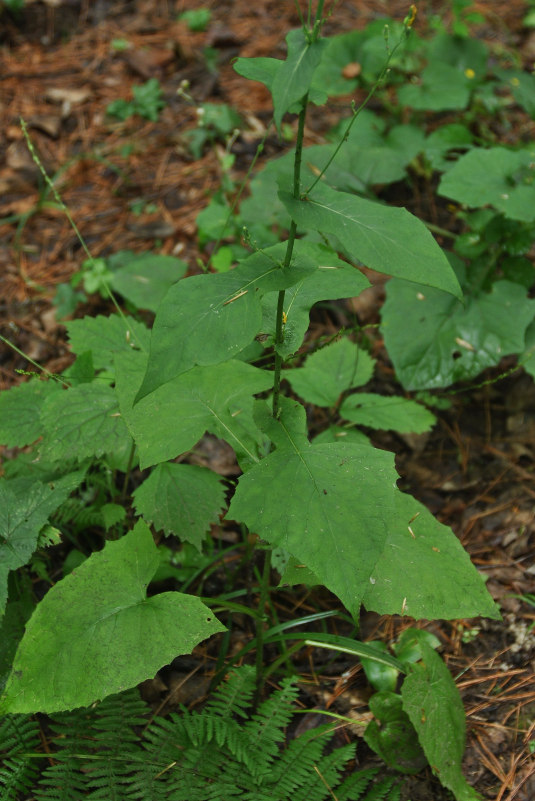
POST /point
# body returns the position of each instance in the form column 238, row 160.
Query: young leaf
column 181, row 499
column 96, row 633
column 294, row 77
column 434, row 706
column 391, row 413
column 390, row 240
column 82, row 421
column 20, row 408
column 25, row 506
column 218, row 399
column 330, row 371
column 447, row 342
column 348, row 523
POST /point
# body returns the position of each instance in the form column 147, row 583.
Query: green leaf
column 390, row 240
column 181, row 499
column 327, row 283
column 258, row 69
column 96, row 633
column 434, row 706
column 391, row 413
column 336, row 508
column 394, row 739
column 442, row 88
column 25, row 506
column 20, row 408
column 172, row 419
column 330, row 371
column 106, row 336
column 294, row 77
column 447, row 342
column 146, row 277
column 112, row 513
column 82, row 421
column 446, row 138
column 502, row 178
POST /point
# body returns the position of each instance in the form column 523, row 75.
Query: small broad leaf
column 330, row 371
column 145, row 278
column 20, row 408
column 346, row 521
column 181, row 499
column 442, row 87
column 96, row 633
column 25, row 506
column 497, row 176
column 391, row 413
column 390, row 240
column 447, row 342
column 294, row 77
column 82, row 421
column 105, row 336
column 172, row 419
column 259, row 69
column 433, row 704
column 326, row 283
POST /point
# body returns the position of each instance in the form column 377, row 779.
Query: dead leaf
column 352, row 70
column 61, row 94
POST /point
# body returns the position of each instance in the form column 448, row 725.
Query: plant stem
column 279, row 325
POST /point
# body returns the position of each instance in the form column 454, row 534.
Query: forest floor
column 134, row 185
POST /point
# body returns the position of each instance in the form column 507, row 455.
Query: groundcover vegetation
column 105, row 444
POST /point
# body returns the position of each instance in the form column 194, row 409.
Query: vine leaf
column 433, row 704
column 181, row 499
column 390, row 240
column 25, row 506
column 96, row 633
column 218, row 399
column 348, row 523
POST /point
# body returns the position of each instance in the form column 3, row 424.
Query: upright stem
column 279, row 324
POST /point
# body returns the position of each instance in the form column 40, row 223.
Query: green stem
column 279, row 324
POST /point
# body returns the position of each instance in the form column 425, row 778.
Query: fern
column 217, row 754
column 18, row 735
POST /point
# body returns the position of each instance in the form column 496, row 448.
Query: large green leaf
column 105, row 336
column 20, row 408
column 208, row 319
column 172, row 419
column 389, row 412
column 337, row 509
column 25, row 506
column 144, row 278
column 82, row 421
column 446, row 341
column 294, row 77
column 390, row 240
column 497, row 176
column 326, row 283
column 181, row 499
column 330, row 371
column 441, row 87
column 434, row 706
column 96, row 633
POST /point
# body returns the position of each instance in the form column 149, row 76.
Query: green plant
column 219, row 752
column 147, row 102
column 196, row 19
column 331, row 506
column 215, row 121
column 15, row 6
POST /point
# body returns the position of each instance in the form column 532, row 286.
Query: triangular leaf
column 345, row 519
column 181, row 499
column 96, row 633
column 294, row 77
column 145, row 278
column 172, row 419
column 82, row 421
column 387, row 239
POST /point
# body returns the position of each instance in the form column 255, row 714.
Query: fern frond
column 233, row 696
column 19, row 734
column 385, row 790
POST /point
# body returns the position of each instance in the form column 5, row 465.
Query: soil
column 475, row 471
